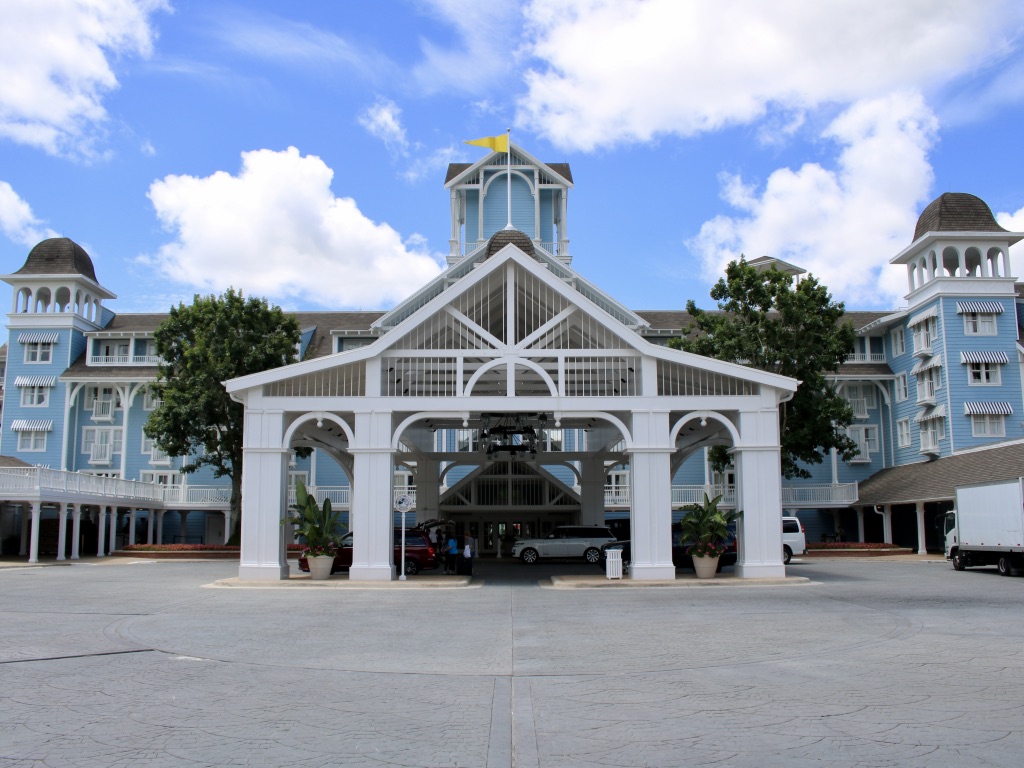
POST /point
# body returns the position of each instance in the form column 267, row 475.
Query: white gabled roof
column 486, row 161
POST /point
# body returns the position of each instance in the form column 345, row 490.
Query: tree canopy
column 767, row 320
column 215, row 339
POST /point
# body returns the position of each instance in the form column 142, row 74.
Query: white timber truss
column 510, row 330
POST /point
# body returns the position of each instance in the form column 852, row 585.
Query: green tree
column 768, row 321
column 215, row 339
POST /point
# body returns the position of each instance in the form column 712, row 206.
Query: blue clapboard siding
column 495, row 208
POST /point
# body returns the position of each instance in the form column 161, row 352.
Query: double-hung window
column 866, row 438
column 32, row 441
column 902, row 393
column 903, row 433
column 899, row 343
column 979, row 324
column 35, row 397
column 984, row 374
column 38, row 352
column 988, row 425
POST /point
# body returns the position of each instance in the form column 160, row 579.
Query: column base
column 372, row 573
column 263, row 572
column 652, row 572
column 760, row 571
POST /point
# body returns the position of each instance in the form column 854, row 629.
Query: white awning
column 938, row 412
column 989, row 409
column 32, row 425
column 935, row 361
column 38, row 337
column 35, row 381
column 979, row 307
column 922, row 316
column 981, row 356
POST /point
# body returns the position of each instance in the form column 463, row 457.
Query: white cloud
column 1015, row 223
column 483, row 54
column 55, row 67
column 383, row 121
column 613, row 71
column 17, row 221
column 276, row 229
column 843, row 225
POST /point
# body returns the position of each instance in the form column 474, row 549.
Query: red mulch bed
column 850, row 552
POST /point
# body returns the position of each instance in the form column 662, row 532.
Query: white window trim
column 904, row 438
column 32, row 438
column 977, row 318
column 28, row 399
column 867, row 445
column 39, row 347
column 902, row 388
column 989, row 420
column 901, row 347
column 995, row 374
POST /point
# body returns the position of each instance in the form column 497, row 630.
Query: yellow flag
column 497, row 143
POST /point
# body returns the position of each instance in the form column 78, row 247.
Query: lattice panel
column 536, row 303
column 578, row 331
column 602, row 376
column 342, row 381
column 419, row 377
column 443, row 331
column 675, row 379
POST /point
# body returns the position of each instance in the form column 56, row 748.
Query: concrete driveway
column 876, row 663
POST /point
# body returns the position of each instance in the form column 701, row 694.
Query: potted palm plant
column 705, row 527
column 319, row 526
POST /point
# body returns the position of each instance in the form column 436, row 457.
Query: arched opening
column 950, row 262
column 63, row 299
column 996, row 260
column 23, row 300
column 43, row 299
column 973, row 263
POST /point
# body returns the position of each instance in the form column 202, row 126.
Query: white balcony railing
column 866, row 357
column 110, row 359
column 811, row 495
column 103, row 410
column 860, row 407
column 156, row 456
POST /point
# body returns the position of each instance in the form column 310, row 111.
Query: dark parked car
column 680, row 558
column 419, row 553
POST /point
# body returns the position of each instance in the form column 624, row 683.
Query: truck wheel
column 958, row 561
column 787, row 555
column 1005, row 569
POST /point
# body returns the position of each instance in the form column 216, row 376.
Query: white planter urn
column 705, row 567
column 320, row 566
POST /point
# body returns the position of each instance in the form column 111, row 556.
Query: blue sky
column 298, row 150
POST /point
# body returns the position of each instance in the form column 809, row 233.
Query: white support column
column 131, row 525
column 651, row 498
column 886, row 513
column 759, row 494
column 149, row 525
column 101, row 532
column 113, row 529
column 592, row 492
column 860, row 524
column 264, row 486
column 33, row 543
column 371, row 513
column 62, row 531
column 921, row 548
column 227, row 526
column 160, row 526
column 76, row 530
column 183, row 525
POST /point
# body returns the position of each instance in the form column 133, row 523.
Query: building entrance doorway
column 495, row 533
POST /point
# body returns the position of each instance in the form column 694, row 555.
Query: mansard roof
column 956, row 212
column 58, row 256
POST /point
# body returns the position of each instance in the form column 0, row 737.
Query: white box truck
column 987, row 526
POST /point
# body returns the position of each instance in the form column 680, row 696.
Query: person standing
column 451, row 552
column 468, row 553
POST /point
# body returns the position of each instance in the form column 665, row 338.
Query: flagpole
column 508, row 224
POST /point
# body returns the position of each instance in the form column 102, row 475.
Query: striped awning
column 35, row 381
column 38, row 337
column 938, row 412
column 935, row 361
column 979, row 307
column 920, row 317
column 32, row 425
column 981, row 356
column 989, row 409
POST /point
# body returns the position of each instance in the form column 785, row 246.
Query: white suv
column 565, row 541
column 794, row 542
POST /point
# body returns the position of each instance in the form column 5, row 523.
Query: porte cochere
column 508, row 346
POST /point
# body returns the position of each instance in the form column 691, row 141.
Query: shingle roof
column 146, row 323
column 504, row 237
column 562, row 169
column 10, row 462
column 937, row 480
column 58, row 256
column 956, row 212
